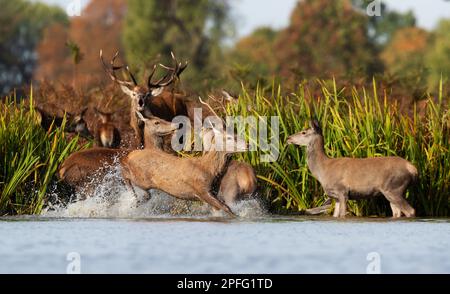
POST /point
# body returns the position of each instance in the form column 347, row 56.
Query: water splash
column 106, row 196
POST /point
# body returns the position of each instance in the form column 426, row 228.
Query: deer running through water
column 239, row 180
column 354, row 178
column 184, row 178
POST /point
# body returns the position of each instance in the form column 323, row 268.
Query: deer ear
column 126, row 90
column 157, row 91
column 316, row 126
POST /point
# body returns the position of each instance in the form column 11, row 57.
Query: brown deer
column 106, row 135
column 81, row 166
column 239, row 180
column 152, row 99
column 184, row 178
column 75, row 123
column 354, row 178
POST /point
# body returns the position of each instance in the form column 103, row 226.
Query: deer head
column 304, row 138
column 104, row 116
column 77, row 124
column 138, row 93
column 155, row 126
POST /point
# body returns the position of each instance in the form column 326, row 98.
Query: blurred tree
column 325, row 39
column 77, row 57
column 192, row 29
column 98, row 27
column 404, row 60
column 406, row 50
column 253, row 57
column 438, row 57
column 21, row 28
column 381, row 29
column 53, row 56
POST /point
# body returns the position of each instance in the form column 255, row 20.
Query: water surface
column 218, row 245
column 112, row 232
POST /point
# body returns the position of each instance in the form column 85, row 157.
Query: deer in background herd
column 354, row 178
column 106, row 134
column 151, row 99
column 53, row 117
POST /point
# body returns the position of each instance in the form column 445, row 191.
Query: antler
column 211, row 109
column 169, row 78
column 112, row 71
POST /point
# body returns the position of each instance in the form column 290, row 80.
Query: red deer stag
column 152, row 99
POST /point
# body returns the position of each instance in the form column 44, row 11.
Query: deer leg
column 342, row 206
column 396, row 212
column 130, row 187
column 228, row 194
column 147, row 196
column 397, row 199
column 215, row 203
column 336, row 208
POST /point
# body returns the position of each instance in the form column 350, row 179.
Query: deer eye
column 156, row 123
column 303, row 133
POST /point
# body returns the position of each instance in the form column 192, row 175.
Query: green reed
column 29, row 157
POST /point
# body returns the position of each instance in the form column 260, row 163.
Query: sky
column 250, row 14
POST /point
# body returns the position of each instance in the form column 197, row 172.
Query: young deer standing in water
column 184, row 178
column 107, row 135
column 354, row 178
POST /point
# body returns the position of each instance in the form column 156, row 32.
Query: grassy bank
column 29, row 158
column 363, row 125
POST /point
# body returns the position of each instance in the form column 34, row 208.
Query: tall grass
column 29, row 158
column 363, row 125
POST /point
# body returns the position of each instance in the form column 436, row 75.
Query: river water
column 111, row 232
column 220, row 245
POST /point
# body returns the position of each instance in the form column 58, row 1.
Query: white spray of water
column 107, row 197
